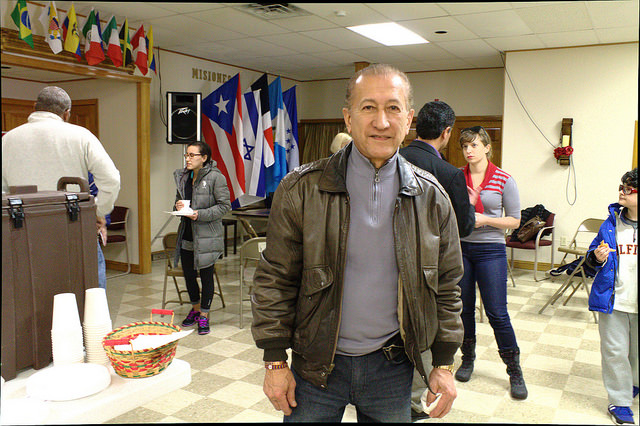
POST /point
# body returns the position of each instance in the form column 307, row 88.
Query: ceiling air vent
column 273, row 10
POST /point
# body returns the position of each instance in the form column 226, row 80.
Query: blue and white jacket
column 602, row 290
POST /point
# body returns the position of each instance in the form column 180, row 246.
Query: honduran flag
column 291, row 128
column 253, row 144
column 139, row 47
column 279, row 168
column 222, row 131
column 262, row 85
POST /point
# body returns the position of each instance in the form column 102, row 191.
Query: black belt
column 393, row 347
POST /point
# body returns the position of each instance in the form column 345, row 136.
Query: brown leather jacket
column 298, row 283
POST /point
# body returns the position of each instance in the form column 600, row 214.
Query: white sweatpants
column 619, row 352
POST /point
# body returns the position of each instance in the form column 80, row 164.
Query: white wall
column 468, row 92
column 597, row 87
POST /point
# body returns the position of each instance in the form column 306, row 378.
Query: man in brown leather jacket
column 360, row 272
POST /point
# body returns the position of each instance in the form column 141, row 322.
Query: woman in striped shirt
column 485, row 257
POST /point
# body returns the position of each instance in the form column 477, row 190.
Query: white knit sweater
column 47, row 148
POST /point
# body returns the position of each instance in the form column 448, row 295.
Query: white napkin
column 423, row 400
column 146, row 341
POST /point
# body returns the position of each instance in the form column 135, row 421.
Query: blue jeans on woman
column 379, row 389
column 486, row 264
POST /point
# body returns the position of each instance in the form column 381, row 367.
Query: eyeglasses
column 474, row 129
column 190, row 155
column 627, row 190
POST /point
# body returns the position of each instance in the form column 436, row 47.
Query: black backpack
column 589, row 272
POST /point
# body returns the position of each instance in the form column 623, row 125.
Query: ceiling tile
column 184, row 7
column 467, row 8
column 555, row 18
column 298, row 43
column 381, row 54
column 570, row 38
column 238, row 21
column 355, row 13
column 404, row 11
column 515, row 43
column 427, row 28
column 617, row 35
column 486, row 62
column 141, row 11
column 258, row 47
column 341, row 38
column 340, row 57
column 495, row 24
column 468, row 48
column 429, row 51
column 304, row 23
column 613, row 13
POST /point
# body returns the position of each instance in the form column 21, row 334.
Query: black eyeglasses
column 474, row 129
column 626, row 190
column 190, row 155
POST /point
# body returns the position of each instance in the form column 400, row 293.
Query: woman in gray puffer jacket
column 200, row 234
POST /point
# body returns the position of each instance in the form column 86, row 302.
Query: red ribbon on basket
column 562, row 151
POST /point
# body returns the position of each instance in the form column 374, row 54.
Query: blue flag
column 291, row 128
column 279, row 169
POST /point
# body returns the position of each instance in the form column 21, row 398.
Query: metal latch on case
column 16, row 212
column 72, row 206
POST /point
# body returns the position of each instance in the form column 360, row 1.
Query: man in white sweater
column 47, row 147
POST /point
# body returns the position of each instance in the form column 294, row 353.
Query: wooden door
column 84, row 112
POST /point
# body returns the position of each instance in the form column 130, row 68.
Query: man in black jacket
column 433, row 126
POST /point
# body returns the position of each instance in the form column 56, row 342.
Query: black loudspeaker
column 184, row 117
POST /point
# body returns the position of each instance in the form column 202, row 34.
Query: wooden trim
column 122, row 266
column 634, row 159
column 527, row 264
column 144, row 176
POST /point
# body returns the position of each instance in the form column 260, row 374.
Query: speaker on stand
column 184, row 123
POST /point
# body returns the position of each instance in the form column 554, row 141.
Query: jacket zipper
column 344, row 264
column 376, row 187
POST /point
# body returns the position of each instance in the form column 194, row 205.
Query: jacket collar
column 333, row 178
column 43, row 115
column 425, row 146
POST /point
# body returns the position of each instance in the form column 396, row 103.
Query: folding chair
column 588, row 226
column 249, row 251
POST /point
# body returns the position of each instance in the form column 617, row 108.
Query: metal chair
column 249, row 251
column 588, row 226
column 173, row 271
column 535, row 245
column 119, row 217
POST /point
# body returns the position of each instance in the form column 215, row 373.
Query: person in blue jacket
column 614, row 294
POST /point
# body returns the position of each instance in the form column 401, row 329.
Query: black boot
column 512, row 359
column 463, row 374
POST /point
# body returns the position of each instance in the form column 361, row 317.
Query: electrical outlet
column 564, row 240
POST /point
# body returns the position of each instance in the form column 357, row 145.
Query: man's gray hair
column 53, row 99
column 379, row 69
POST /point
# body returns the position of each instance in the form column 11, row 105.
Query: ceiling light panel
column 389, row 34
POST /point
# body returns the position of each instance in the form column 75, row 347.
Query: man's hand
column 280, row 386
column 441, row 381
column 101, row 225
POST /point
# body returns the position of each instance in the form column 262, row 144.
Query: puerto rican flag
column 223, row 132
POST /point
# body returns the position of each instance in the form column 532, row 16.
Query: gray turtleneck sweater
column 370, row 296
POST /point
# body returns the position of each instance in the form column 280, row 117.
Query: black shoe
column 203, row 325
column 415, row 416
column 191, row 318
column 512, row 359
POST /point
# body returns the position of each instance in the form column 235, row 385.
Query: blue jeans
column 379, row 389
column 102, row 269
column 486, row 264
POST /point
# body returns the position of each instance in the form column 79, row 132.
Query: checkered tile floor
column 560, row 359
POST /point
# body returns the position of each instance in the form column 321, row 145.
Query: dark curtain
column 316, row 139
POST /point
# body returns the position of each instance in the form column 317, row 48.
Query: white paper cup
column 96, row 308
column 65, row 311
column 66, row 346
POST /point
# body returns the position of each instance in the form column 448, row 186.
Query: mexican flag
column 111, row 38
column 93, row 43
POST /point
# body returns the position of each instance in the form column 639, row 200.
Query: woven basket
column 141, row 363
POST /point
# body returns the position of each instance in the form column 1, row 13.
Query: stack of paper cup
column 66, row 332
column 97, row 324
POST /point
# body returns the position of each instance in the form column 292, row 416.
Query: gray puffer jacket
column 211, row 199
